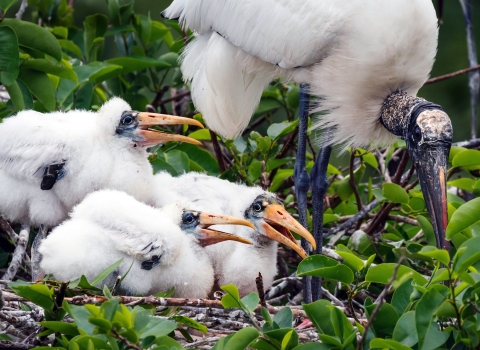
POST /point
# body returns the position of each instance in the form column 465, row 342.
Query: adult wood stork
column 50, row 162
column 161, row 247
column 235, row 263
column 365, row 60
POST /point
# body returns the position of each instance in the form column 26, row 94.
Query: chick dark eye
column 257, row 207
column 127, row 120
column 188, row 218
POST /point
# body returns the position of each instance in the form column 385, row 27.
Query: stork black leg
column 474, row 77
column 302, row 180
column 36, row 257
column 319, row 188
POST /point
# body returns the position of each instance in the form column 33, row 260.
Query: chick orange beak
column 277, row 226
column 154, row 137
column 209, row 236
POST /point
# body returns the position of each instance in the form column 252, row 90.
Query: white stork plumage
column 50, row 162
column 365, row 60
column 237, row 263
column 162, row 246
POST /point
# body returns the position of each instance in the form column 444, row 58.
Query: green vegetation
column 390, row 287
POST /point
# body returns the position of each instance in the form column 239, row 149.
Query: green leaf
column 232, row 299
column 387, row 344
column 267, row 104
column 383, row 272
column 401, row 297
column 187, row 321
column 429, row 336
column 435, row 253
column 58, row 69
column 16, row 95
column 95, row 28
column 284, row 318
column 395, row 193
column 251, row 301
column 427, row 230
column 385, row 321
column 83, row 96
column 466, row 158
column 319, row 313
column 463, row 183
column 62, row 327
column 467, row 254
column 70, row 46
column 158, row 327
column 105, row 273
column 96, row 72
column 159, row 165
column 8, row 56
column 134, row 64
column 465, row 216
column 255, row 169
column 351, row 260
column 167, row 343
column 325, row 267
column 201, row 157
column 341, row 325
column 241, row 339
column 178, row 160
column 32, row 36
column 405, row 331
column 312, row 346
column 40, row 86
column 39, row 294
column 5, row 5
column 275, row 131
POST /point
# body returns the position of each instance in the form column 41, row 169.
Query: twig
column 218, row 152
column 59, row 298
column 21, row 10
column 18, row 253
column 468, row 144
column 173, row 98
column 401, row 168
column 381, row 164
column 201, row 342
column 279, row 298
column 5, row 227
column 125, row 340
column 4, row 344
column 115, row 286
column 330, row 296
column 352, row 183
column 347, row 225
column 314, row 154
column 261, row 290
column 283, row 152
column 380, row 299
column 451, row 75
column 276, row 290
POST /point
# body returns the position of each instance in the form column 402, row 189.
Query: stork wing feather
column 287, row 33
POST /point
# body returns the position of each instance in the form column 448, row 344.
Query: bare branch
column 468, row 144
column 260, row 289
column 5, row 227
column 21, row 10
column 352, row 183
column 218, row 151
column 381, row 299
column 451, row 75
column 18, row 254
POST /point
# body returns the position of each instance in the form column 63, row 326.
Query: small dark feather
column 149, row 264
column 51, row 175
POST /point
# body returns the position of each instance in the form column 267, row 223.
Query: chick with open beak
column 138, row 126
column 198, row 223
column 271, row 219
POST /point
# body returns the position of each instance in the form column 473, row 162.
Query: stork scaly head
column 136, row 127
column 198, row 223
column 271, row 219
column 427, row 131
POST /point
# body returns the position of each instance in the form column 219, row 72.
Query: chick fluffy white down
column 233, row 262
column 352, row 53
column 94, row 156
column 110, row 225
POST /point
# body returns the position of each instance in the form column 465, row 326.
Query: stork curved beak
column 430, row 156
column 277, row 225
column 209, row 236
column 154, row 137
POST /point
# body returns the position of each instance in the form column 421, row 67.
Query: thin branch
column 380, row 299
column 115, row 286
column 21, row 10
column 218, row 152
column 352, row 183
column 18, row 253
column 128, row 345
column 283, row 152
column 5, row 227
column 59, row 298
column 330, row 296
column 468, row 144
column 201, row 342
column 173, row 98
column 261, row 290
column 452, row 75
